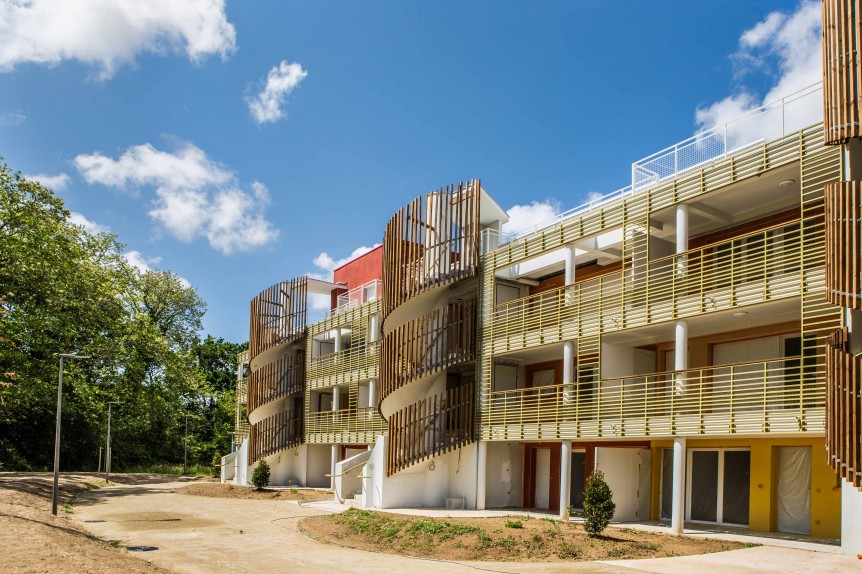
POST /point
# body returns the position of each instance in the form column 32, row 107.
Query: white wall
column 508, row 377
column 625, row 361
column 504, row 473
column 627, row 472
column 242, row 475
column 286, row 467
column 462, row 474
column 348, row 483
column 228, row 467
column 543, row 478
column 319, row 465
column 851, row 519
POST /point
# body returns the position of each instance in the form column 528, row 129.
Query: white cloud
column 110, row 33
column 194, row 195
column 9, row 118
column 54, row 182
column 280, row 82
column 784, row 45
column 522, row 217
column 89, row 225
column 144, row 264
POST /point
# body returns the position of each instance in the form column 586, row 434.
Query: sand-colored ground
column 216, row 490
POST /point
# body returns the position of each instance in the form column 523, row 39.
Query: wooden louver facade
column 433, row 426
column 278, row 432
column 844, row 408
column 428, row 344
column 844, row 243
column 432, row 241
column 278, row 315
column 283, row 377
column 842, row 84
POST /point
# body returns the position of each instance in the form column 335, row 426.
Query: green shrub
column 260, row 476
column 599, row 504
column 514, row 524
column 216, row 471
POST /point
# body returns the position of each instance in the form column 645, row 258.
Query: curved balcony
column 430, row 427
column 745, row 270
column 844, row 243
column 427, row 345
column 843, row 408
column 430, row 243
column 273, row 434
column 278, row 316
column 273, row 381
column 841, row 89
column 780, row 396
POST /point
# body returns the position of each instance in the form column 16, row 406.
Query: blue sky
column 238, row 144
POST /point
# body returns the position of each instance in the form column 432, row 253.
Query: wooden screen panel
column 278, row 315
column 844, row 243
column 275, row 380
column 428, row 344
column 431, row 427
column 273, row 434
column 841, row 72
column 843, row 408
column 432, row 241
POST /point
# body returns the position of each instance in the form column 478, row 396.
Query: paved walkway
column 206, row 535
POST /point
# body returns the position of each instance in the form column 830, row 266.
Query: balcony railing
column 278, row 315
column 744, row 270
column 844, row 243
column 783, row 395
column 356, row 363
column 431, row 427
column 360, row 425
column 273, row 434
column 443, row 338
column 359, row 296
column 275, row 380
column 431, row 242
column 844, row 408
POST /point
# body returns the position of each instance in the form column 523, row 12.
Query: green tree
column 599, row 504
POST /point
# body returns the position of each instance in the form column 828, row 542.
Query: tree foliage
column 599, row 506
column 260, row 476
column 65, row 290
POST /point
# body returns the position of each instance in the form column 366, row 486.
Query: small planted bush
column 514, row 524
column 216, row 468
column 260, row 476
column 599, row 504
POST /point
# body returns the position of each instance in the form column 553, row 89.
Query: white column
column 332, row 469
column 336, row 396
column 373, row 328
column 681, row 228
column 481, row 474
column 678, row 496
column 569, row 346
column 565, row 478
column 570, row 263
column 337, row 339
column 372, row 393
column 680, row 354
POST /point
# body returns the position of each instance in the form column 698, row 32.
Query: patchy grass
column 503, row 538
column 218, row 490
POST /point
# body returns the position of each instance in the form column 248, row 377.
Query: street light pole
column 57, row 429
column 108, row 443
column 186, row 448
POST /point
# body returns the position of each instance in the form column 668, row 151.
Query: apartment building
column 691, row 335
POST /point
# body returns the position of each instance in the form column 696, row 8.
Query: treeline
column 64, row 290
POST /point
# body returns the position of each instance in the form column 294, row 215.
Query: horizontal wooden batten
column 274, row 434
column 430, row 427
column 278, row 315
column 844, row 243
column 428, row 344
column 432, row 241
column 283, row 377
column 843, row 408
column 841, row 69
column 362, row 425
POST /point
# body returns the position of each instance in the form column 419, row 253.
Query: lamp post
column 57, row 430
column 108, row 443
column 186, row 447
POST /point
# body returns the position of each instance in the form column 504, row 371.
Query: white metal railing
column 359, row 296
column 766, row 123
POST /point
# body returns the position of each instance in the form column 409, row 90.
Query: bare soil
column 217, row 490
column 34, row 540
column 515, row 538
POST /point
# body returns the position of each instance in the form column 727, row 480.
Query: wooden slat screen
column 841, row 70
column 275, row 380
column 844, row 243
column 432, row 241
column 274, row 434
column 428, row 344
column 431, row 427
column 843, row 408
column 278, row 315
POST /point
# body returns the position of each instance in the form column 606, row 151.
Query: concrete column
column 373, row 328
column 336, row 398
column 680, row 354
column 334, row 461
column 678, row 506
column 372, row 392
column 681, row 228
column 570, row 263
column 481, row 474
column 565, row 478
column 569, row 346
column 337, row 339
